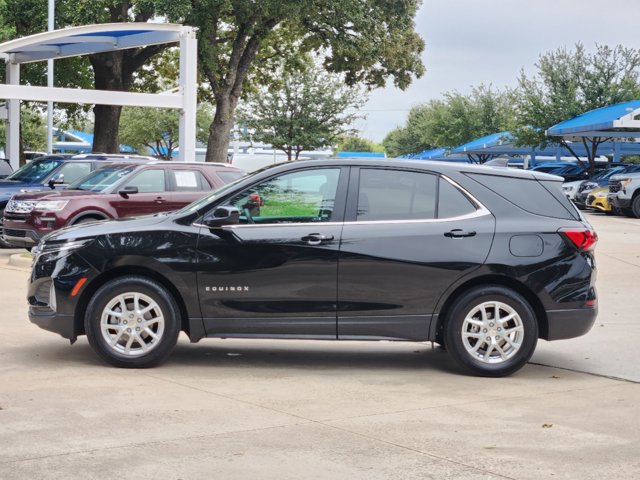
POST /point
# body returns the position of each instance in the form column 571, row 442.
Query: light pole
column 52, row 12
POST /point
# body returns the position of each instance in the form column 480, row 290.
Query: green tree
column 158, row 129
column 311, row 109
column 369, row 41
column 116, row 70
column 353, row 143
column 33, row 129
column 453, row 120
column 568, row 83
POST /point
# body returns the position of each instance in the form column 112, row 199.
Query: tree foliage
column 311, row 109
column 453, row 120
column 353, row 143
column 158, row 128
column 369, row 41
column 568, row 83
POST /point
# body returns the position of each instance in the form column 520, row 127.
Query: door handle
column 459, row 233
column 316, row 238
column 160, row 200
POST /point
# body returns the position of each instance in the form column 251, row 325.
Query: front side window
column 298, row 197
column 149, row 181
column 73, row 171
column 396, row 195
column 100, row 179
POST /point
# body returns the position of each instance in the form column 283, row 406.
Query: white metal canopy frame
column 100, row 38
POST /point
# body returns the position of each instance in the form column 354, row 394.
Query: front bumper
column 616, row 201
column 570, row 323
column 47, row 319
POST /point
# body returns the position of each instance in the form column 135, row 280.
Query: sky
column 469, row 42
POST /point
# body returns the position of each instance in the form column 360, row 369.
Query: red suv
column 114, row 191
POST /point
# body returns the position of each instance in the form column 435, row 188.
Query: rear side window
column 396, row 195
column 530, row 195
column 189, row 181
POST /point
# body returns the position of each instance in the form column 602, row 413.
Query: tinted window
column 307, row 196
column 530, row 195
column 189, row 181
column 452, row 202
column 396, row 195
column 73, row 171
column 148, row 181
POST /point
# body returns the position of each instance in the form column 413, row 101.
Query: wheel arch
column 513, row 284
column 100, row 280
column 97, row 214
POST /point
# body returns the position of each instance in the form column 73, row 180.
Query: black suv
column 482, row 260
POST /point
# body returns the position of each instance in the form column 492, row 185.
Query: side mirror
column 222, row 216
column 56, row 181
column 126, row 191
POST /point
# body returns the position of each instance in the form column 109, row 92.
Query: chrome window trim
column 481, row 211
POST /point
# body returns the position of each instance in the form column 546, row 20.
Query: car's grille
column 10, row 232
column 614, row 186
column 20, row 206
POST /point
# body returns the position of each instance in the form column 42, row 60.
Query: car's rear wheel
column 491, row 331
column 132, row 322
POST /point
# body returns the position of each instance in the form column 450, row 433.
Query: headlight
column 568, row 188
column 52, row 251
column 20, row 206
column 51, row 205
column 588, row 186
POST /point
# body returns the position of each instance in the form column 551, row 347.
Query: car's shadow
column 266, row 354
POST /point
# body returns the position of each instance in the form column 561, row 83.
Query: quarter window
column 396, row 195
column 298, row 197
column 452, row 202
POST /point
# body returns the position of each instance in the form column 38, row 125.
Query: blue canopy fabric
column 430, row 154
column 598, row 122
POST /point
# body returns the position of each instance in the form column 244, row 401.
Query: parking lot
column 295, row 409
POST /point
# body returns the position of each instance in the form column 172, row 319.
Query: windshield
column 35, row 171
column 100, row 179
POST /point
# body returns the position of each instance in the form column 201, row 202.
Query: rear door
column 187, row 185
column 408, row 236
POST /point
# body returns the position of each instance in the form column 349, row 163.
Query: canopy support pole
column 12, row 144
column 189, row 91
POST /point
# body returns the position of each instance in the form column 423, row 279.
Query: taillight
column 584, row 239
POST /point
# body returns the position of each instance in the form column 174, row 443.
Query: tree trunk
column 220, row 128
column 108, row 75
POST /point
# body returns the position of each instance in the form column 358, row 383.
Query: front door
column 409, row 236
column 275, row 273
column 152, row 196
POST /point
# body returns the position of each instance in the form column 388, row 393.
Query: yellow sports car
column 597, row 199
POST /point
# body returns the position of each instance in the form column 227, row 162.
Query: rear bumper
column 570, row 323
column 21, row 237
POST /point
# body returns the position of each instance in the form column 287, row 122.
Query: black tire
column 635, row 206
column 86, row 220
column 628, row 212
column 126, row 287
column 471, row 301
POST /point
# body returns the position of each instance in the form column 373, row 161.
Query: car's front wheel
column 132, row 322
column 491, row 331
column 635, row 206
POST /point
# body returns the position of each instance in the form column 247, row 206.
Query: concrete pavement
column 290, row 409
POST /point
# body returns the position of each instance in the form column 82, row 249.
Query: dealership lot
column 292, row 409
